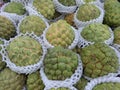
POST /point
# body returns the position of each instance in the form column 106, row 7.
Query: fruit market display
column 59, row 45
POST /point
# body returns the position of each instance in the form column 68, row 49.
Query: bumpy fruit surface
column 60, row 33
column 7, row 28
column 60, row 63
column 24, row 51
column 107, row 86
column 88, row 12
column 112, row 13
column 10, row 80
column 99, row 60
column 45, row 7
column 117, row 35
column 32, row 24
column 67, row 2
column 61, row 88
column 34, row 82
column 88, row 1
column 81, row 84
column 96, row 32
column 15, row 7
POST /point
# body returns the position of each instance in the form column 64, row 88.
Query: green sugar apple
column 117, row 35
column 68, row 2
column 61, row 88
column 88, row 1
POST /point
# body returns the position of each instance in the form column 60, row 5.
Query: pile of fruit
column 59, row 45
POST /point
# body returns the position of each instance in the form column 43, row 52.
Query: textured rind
column 10, row 80
column 34, row 81
column 68, row 2
column 107, row 86
column 7, row 28
column 60, row 63
column 96, row 32
column 112, row 13
column 60, row 34
column 24, row 51
column 88, row 12
column 15, row 7
column 32, row 24
column 88, row 1
column 99, row 60
column 45, row 7
column 61, row 88
column 117, row 35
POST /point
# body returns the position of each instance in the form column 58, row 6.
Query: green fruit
column 32, row 24
column 112, row 13
column 34, row 82
column 7, row 28
column 60, row 63
column 88, row 1
column 15, row 7
column 45, row 7
column 99, row 60
column 96, row 32
column 60, row 33
column 117, row 35
column 68, row 2
column 81, row 84
column 107, row 86
column 24, row 51
column 88, row 12
column 10, row 80
column 61, row 88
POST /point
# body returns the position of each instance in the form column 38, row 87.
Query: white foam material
column 83, row 42
column 80, row 24
column 73, row 44
column 25, row 69
column 25, row 2
column 67, row 82
column 100, row 80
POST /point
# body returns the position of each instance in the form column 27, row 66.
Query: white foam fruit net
column 25, row 2
column 23, row 69
column 83, row 42
column 80, row 24
column 32, row 12
column 100, row 80
column 64, row 9
column 67, row 82
column 110, row 74
column 73, row 44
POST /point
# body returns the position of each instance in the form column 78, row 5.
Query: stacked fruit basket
column 59, row 45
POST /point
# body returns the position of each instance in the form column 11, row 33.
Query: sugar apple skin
column 7, row 28
column 96, row 32
column 112, row 13
column 60, row 33
column 117, row 35
column 32, row 24
column 88, row 12
column 10, row 80
column 88, row 1
column 15, row 7
column 107, row 86
column 60, row 63
column 61, row 88
column 45, row 7
column 68, row 2
column 99, row 60
column 24, row 51
column 34, row 81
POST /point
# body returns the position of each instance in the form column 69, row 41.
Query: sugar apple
column 61, row 88
column 88, row 1
column 34, row 81
column 10, row 80
column 107, row 86
column 80, row 85
column 60, row 33
column 60, row 63
column 87, row 12
column 96, row 32
column 117, row 35
column 15, row 7
column 7, row 28
column 24, row 51
column 32, row 24
column 112, row 13
column 45, row 7
column 98, row 60
column 68, row 2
